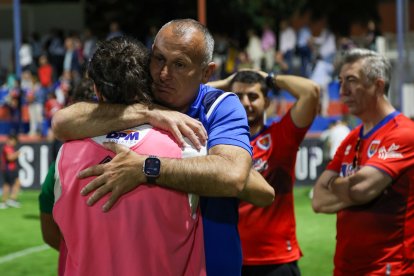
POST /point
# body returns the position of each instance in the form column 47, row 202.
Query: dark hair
column 250, row 77
column 84, row 91
column 120, row 71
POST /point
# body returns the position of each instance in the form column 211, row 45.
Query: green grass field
column 20, row 233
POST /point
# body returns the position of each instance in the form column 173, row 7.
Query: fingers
column 201, row 133
column 93, row 185
column 98, row 194
column 111, row 201
column 92, row 171
column 192, row 136
column 175, row 131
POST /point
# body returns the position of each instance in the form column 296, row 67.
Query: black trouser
column 288, row 269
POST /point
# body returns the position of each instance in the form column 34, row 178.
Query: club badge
column 264, row 142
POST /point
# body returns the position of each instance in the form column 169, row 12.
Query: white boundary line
column 25, row 252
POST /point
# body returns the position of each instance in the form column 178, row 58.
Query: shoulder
column 213, row 98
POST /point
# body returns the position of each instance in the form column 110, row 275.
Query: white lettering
column 301, row 168
column 315, row 160
column 26, row 172
column 44, row 162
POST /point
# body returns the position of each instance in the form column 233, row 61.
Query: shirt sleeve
column 47, row 196
column 228, row 124
column 395, row 154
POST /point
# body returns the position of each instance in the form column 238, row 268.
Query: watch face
column 152, row 166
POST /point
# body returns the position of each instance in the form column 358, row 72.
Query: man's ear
column 208, row 71
column 380, row 86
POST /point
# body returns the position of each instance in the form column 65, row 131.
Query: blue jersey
column 225, row 120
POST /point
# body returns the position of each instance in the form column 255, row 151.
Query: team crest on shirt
column 373, row 147
column 391, row 152
column 264, row 142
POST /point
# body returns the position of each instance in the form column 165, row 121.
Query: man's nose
column 245, row 100
column 343, row 90
column 164, row 73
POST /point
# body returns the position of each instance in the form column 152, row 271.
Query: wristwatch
column 151, row 168
column 271, row 83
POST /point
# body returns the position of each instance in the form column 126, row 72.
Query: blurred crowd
column 53, row 66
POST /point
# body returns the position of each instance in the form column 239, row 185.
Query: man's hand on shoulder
column 118, row 177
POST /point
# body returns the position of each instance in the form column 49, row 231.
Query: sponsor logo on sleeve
column 391, row 152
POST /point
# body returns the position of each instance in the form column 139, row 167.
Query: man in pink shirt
column 152, row 230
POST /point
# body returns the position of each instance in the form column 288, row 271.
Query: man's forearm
column 257, row 191
column 211, row 175
column 324, row 201
column 83, row 119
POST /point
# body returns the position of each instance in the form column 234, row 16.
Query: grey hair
column 186, row 26
column 374, row 66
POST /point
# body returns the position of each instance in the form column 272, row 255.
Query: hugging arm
column 84, row 119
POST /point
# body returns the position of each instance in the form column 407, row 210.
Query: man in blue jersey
column 180, row 64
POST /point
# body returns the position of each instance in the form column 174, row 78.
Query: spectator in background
column 56, row 51
column 268, row 43
column 45, row 75
column 52, row 105
column 334, row 136
column 305, row 50
column 372, row 34
column 287, row 43
column 324, row 46
column 37, row 49
column 26, row 56
column 280, row 67
column 35, row 100
column 64, row 88
column 71, row 62
column 10, row 172
column 114, row 30
column 254, row 49
column 89, row 44
column 14, row 104
column 324, row 50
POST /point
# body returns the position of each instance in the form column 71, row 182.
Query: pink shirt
column 150, row 231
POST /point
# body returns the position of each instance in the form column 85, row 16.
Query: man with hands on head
column 268, row 234
column 180, row 64
column 370, row 181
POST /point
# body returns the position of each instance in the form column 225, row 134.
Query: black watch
column 271, row 83
column 270, row 80
column 151, row 168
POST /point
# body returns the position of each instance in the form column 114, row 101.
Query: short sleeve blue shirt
column 225, row 120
